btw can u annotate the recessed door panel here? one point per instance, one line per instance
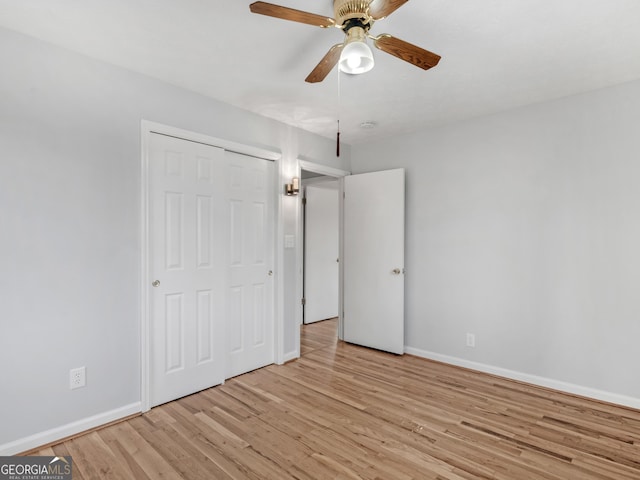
(173, 164)
(174, 339)
(174, 211)
(259, 315)
(236, 231)
(259, 228)
(204, 231)
(205, 169)
(204, 315)
(234, 327)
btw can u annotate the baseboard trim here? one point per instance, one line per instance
(55, 434)
(570, 388)
(290, 356)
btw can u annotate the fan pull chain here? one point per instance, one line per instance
(339, 105)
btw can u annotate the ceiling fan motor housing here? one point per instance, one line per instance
(350, 13)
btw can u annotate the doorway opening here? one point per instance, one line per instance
(324, 181)
(371, 272)
(320, 247)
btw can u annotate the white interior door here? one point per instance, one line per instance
(188, 268)
(250, 324)
(321, 251)
(373, 261)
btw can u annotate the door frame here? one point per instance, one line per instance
(148, 128)
(329, 172)
(304, 184)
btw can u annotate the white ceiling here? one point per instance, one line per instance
(496, 55)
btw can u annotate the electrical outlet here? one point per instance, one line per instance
(471, 340)
(77, 378)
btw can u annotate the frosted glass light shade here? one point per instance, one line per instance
(356, 57)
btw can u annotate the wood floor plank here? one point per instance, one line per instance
(93, 459)
(61, 450)
(347, 412)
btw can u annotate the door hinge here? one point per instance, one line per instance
(304, 200)
(303, 301)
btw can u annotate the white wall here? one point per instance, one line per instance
(70, 229)
(524, 229)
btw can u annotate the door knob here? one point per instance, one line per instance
(396, 271)
(156, 283)
(270, 273)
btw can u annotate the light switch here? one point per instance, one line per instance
(289, 241)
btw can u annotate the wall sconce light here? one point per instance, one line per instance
(292, 188)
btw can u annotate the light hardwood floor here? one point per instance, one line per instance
(318, 335)
(345, 412)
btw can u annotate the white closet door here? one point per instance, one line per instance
(250, 326)
(188, 267)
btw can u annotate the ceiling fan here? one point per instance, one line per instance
(355, 18)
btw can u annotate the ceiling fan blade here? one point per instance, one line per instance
(405, 51)
(286, 13)
(383, 8)
(326, 64)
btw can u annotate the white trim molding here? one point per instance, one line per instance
(290, 356)
(561, 386)
(278, 305)
(245, 149)
(322, 169)
(68, 430)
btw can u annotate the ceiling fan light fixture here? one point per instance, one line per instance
(356, 56)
